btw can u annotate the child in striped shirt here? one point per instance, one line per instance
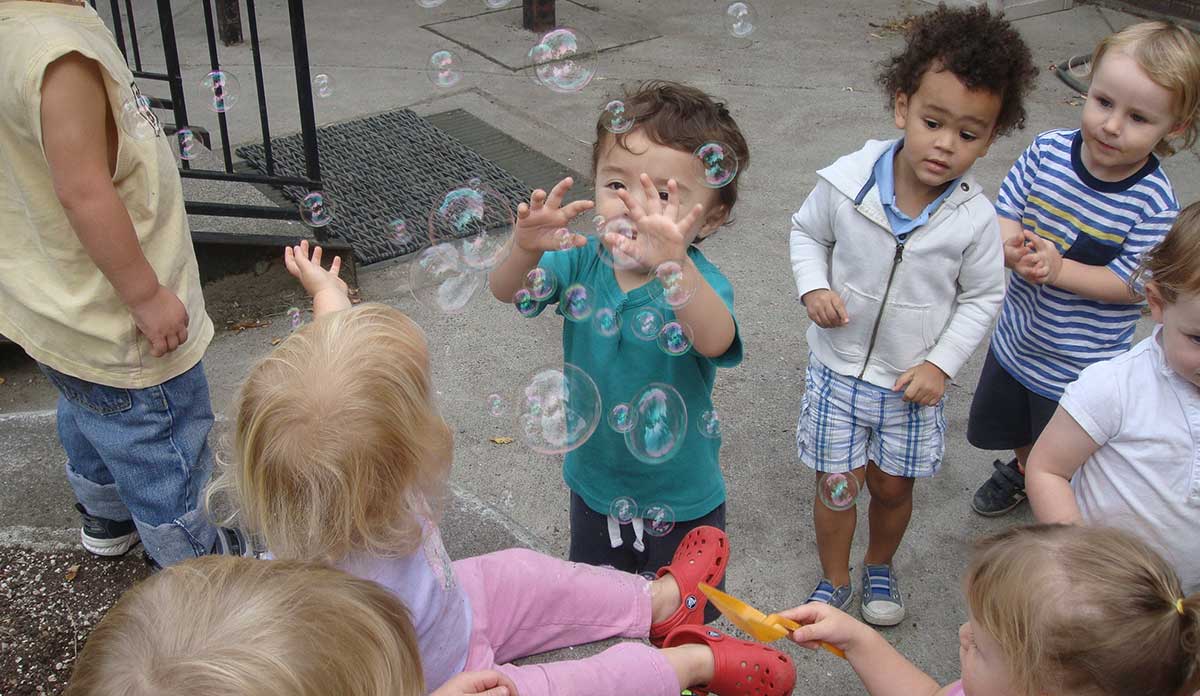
(1077, 210)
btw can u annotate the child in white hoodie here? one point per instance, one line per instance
(898, 261)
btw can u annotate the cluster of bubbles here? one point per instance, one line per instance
(223, 88)
(838, 491)
(445, 68)
(559, 409)
(564, 60)
(316, 209)
(294, 317)
(740, 18)
(322, 86)
(659, 518)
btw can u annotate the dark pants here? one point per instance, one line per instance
(1005, 414)
(590, 543)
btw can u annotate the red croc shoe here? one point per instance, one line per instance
(739, 666)
(701, 558)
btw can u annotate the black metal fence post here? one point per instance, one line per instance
(538, 15)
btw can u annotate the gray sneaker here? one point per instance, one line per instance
(838, 597)
(881, 603)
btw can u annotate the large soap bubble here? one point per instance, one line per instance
(477, 219)
(559, 409)
(564, 60)
(661, 423)
(442, 282)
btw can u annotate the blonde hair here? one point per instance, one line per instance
(1173, 265)
(228, 626)
(339, 447)
(1085, 610)
(1170, 55)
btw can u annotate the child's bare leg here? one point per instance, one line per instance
(890, 511)
(1022, 456)
(693, 664)
(664, 598)
(835, 533)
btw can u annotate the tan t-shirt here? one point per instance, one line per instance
(54, 301)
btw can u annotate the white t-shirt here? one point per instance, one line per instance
(1146, 475)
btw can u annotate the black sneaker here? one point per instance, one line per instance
(105, 537)
(232, 542)
(1002, 492)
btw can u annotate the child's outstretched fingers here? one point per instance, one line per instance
(821, 623)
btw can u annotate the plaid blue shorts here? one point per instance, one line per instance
(844, 422)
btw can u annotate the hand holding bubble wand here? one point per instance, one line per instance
(542, 223)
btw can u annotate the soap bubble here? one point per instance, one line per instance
(316, 210)
(138, 119)
(623, 509)
(564, 60)
(740, 18)
(225, 89)
(565, 239)
(621, 418)
(674, 339)
(838, 491)
(646, 324)
(607, 322)
(577, 302)
(1080, 66)
(445, 68)
(661, 423)
(477, 219)
(398, 232)
(189, 148)
(322, 86)
(614, 118)
(560, 409)
(294, 318)
(615, 258)
(709, 424)
(541, 283)
(525, 303)
(660, 519)
(496, 405)
(430, 3)
(677, 290)
(442, 282)
(717, 164)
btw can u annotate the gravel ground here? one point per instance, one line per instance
(49, 603)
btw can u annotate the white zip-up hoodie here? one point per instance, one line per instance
(946, 288)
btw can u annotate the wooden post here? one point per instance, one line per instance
(538, 15)
(229, 21)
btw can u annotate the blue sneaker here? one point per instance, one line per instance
(881, 603)
(838, 597)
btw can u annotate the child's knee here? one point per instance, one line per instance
(888, 490)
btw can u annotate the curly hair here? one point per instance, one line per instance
(982, 49)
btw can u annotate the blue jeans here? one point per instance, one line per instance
(141, 454)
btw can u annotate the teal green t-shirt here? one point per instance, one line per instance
(603, 469)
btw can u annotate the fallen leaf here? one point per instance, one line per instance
(276, 341)
(502, 440)
(72, 572)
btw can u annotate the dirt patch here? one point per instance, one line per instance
(49, 603)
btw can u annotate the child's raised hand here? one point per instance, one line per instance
(825, 308)
(309, 272)
(924, 384)
(821, 623)
(539, 221)
(486, 683)
(661, 233)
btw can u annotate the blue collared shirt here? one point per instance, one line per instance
(884, 178)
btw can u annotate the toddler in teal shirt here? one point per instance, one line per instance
(648, 183)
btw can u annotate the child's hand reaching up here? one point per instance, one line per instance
(661, 233)
(539, 221)
(329, 292)
(488, 683)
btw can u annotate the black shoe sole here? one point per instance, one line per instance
(1000, 512)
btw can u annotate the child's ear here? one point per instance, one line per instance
(1179, 129)
(714, 217)
(901, 109)
(1155, 299)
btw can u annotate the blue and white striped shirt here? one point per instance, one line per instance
(1046, 335)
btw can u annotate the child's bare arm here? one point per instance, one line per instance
(77, 128)
(1093, 282)
(328, 291)
(1061, 450)
(535, 233)
(712, 325)
(883, 670)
